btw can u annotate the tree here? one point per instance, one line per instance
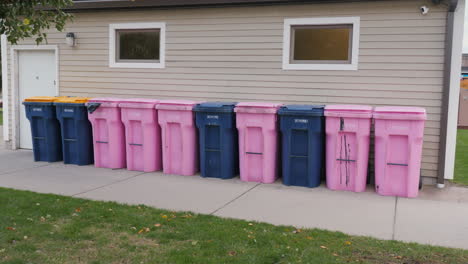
(21, 19)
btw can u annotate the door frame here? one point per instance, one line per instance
(15, 87)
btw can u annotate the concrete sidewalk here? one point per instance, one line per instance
(438, 217)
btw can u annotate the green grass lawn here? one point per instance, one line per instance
(461, 159)
(39, 228)
(1, 116)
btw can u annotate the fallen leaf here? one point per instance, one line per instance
(38, 204)
(309, 237)
(232, 253)
(43, 219)
(25, 237)
(11, 228)
(78, 210)
(133, 228)
(194, 243)
(164, 216)
(157, 225)
(250, 224)
(297, 231)
(348, 243)
(324, 247)
(336, 255)
(144, 230)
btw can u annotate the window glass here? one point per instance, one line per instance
(330, 44)
(138, 45)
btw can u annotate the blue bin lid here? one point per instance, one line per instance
(224, 107)
(303, 110)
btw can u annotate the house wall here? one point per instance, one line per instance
(235, 54)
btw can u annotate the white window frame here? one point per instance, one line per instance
(113, 63)
(289, 23)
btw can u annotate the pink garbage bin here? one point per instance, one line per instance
(142, 134)
(399, 135)
(179, 136)
(108, 133)
(347, 146)
(258, 141)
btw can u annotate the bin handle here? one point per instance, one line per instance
(104, 142)
(135, 144)
(398, 164)
(92, 107)
(255, 153)
(348, 160)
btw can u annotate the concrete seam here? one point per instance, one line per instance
(18, 170)
(109, 184)
(394, 218)
(239, 196)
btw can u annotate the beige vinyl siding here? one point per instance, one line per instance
(235, 54)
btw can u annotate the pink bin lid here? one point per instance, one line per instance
(400, 112)
(176, 105)
(139, 103)
(355, 111)
(107, 101)
(257, 107)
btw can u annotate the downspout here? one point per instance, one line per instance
(452, 6)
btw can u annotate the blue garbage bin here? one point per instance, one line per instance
(303, 135)
(77, 140)
(45, 128)
(218, 139)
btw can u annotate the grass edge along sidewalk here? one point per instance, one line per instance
(461, 158)
(43, 228)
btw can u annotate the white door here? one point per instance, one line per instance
(36, 77)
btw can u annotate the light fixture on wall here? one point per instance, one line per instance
(70, 39)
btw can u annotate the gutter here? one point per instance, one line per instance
(103, 5)
(452, 6)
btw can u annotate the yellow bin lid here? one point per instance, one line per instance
(73, 100)
(43, 99)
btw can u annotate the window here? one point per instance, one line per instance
(137, 45)
(321, 43)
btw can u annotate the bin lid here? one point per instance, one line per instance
(106, 101)
(303, 110)
(176, 105)
(226, 107)
(257, 107)
(44, 99)
(356, 111)
(139, 103)
(72, 100)
(400, 112)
